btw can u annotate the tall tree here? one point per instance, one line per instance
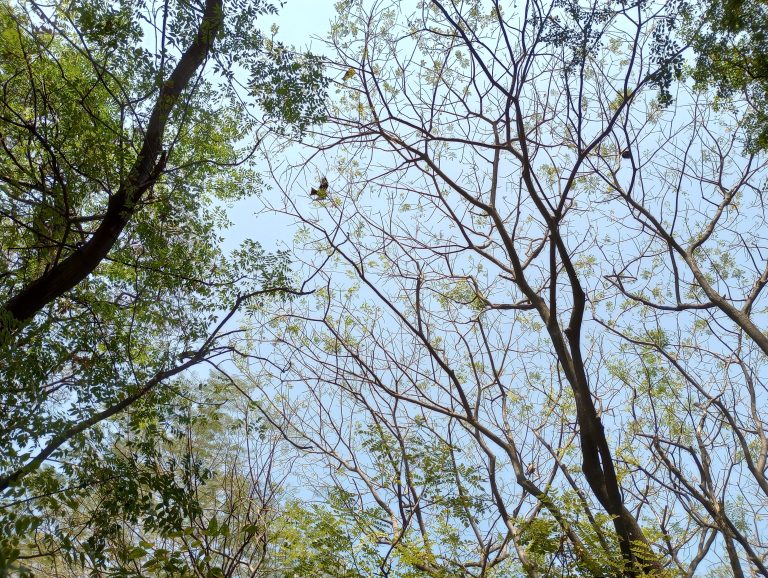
(558, 258)
(124, 132)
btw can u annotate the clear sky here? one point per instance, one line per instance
(299, 20)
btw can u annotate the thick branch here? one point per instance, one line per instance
(147, 168)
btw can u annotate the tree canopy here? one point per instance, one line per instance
(521, 332)
(124, 131)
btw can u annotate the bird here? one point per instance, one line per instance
(322, 191)
(626, 154)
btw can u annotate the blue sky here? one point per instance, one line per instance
(299, 20)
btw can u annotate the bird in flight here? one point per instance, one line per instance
(322, 191)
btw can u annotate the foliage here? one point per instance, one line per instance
(195, 489)
(731, 42)
(124, 137)
(533, 336)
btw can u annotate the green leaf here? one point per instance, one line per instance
(136, 553)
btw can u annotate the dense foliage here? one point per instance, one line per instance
(730, 44)
(124, 136)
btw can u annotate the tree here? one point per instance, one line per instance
(550, 359)
(730, 45)
(199, 488)
(122, 133)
